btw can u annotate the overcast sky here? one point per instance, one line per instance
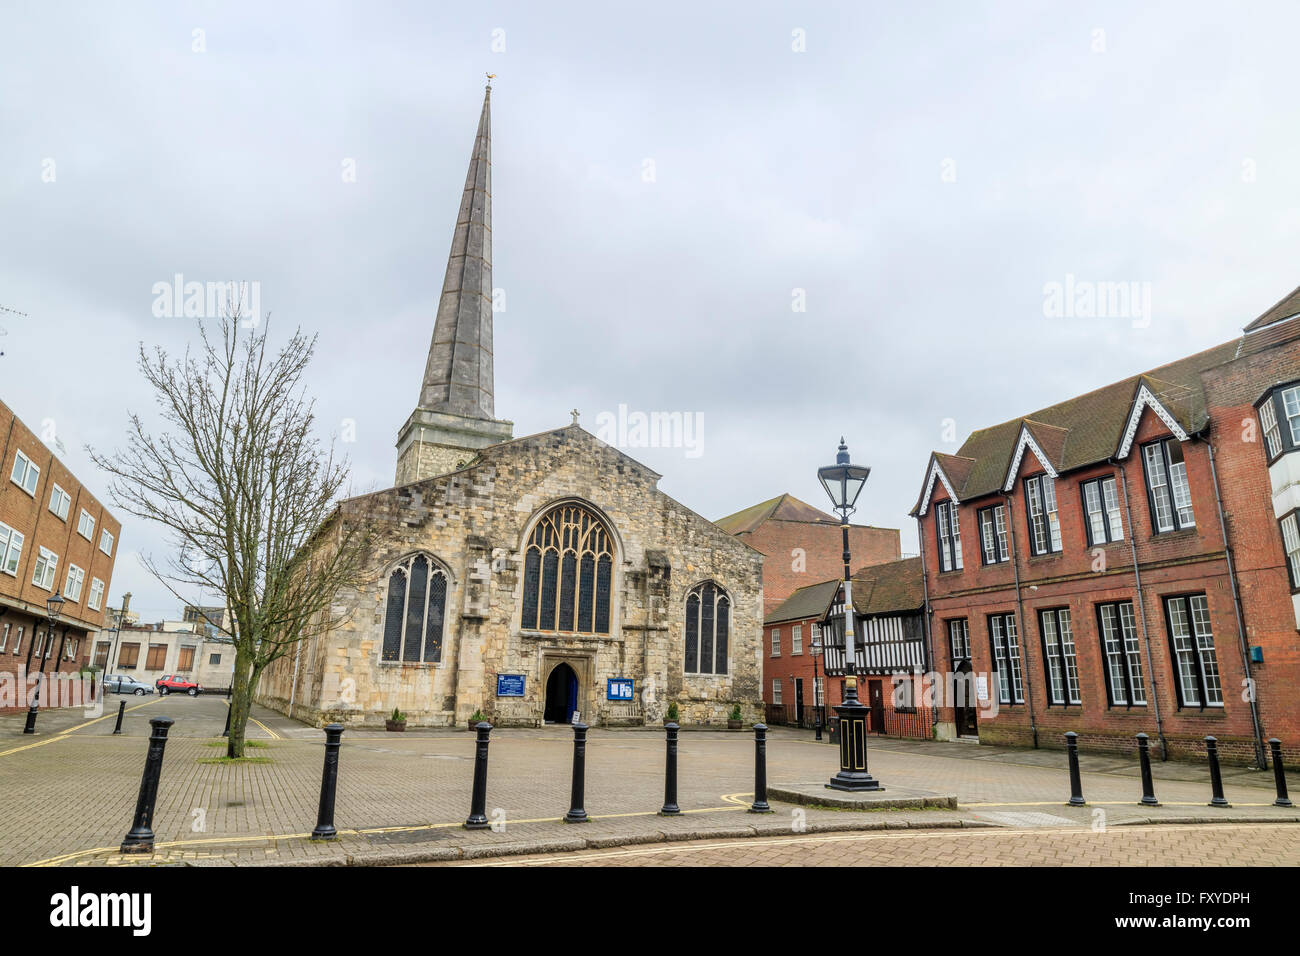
(921, 172)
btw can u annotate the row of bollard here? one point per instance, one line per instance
(1217, 799)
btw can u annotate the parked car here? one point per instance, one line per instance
(177, 684)
(122, 684)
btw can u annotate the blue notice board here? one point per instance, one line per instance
(620, 688)
(510, 685)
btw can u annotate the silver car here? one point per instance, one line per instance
(122, 684)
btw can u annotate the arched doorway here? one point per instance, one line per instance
(964, 701)
(561, 695)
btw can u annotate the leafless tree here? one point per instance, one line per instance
(247, 492)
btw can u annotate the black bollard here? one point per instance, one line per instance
(30, 726)
(1279, 774)
(1076, 784)
(760, 771)
(121, 709)
(140, 839)
(478, 802)
(226, 732)
(670, 808)
(576, 813)
(329, 780)
(1144, 757)
(1216, 779)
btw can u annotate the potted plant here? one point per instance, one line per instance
(672, 715)
(396, 722)
(734, 720)
(476, 718)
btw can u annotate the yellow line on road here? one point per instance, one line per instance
(64, 733)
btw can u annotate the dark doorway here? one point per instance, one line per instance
(798, 701)
(964, 701)
(877, 692)
(561, 695)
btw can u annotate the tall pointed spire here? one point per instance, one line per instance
(458, 375)
(455, 416)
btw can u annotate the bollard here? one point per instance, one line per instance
(329, 780)
(1144, 757)
(1279, 774)
(226, 732)
(478, 802)
(760, 771)
(670, 808)
(1216, 779)
(1076, 784)
(30, 726)
(576, 813)
(140, 839)
(121, 709)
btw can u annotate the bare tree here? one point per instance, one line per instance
(247, 492)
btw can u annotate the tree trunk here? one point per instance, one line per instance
(241, 699)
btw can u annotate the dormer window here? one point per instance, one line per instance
(1044, 522)
(949, 532)
(993, 534)
(1167, 488)
(1279, 417)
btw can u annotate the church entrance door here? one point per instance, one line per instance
(561, 695)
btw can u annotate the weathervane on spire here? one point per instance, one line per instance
(491, 77)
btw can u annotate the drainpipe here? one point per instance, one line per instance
(926, 613)
(1260, 760)
(1020, 608)
(293, 691)
(1142, 611)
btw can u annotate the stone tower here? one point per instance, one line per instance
(454, 418)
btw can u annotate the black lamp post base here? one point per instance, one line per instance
(854, 782)
(853, 776)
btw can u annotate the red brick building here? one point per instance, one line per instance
(1116, 563)
(55, 537)
(890, 641)
(803, 545)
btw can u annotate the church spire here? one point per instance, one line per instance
(455, 416)
(458, 374)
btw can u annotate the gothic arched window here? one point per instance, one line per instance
(708, 624)
(416, 609)
(568, 570)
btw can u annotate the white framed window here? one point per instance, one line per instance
(1101, 508)
(1188, 618)
(4, 636)
(1272, 432)
(1291, 408)
(26, 474)
(815, 635)
(819, 691)
(106, 543)
(95, 600)
(70, 648)
(11, 549)
(60, 501)
(776, 642)
(796, 639)
(1006, 655)
(1058, 651)
(1167, 487)
(776, 690)
(46, 564)
(73, 582)
(948, 528)
(18, 639)
(993, 534)
(1044, 522)
(86, 525)
(959, 640)
(1119, 643)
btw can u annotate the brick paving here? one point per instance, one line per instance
(1215, 845)
(402, 797)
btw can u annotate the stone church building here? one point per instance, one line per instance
(532, 579)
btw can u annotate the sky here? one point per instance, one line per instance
(789, 222)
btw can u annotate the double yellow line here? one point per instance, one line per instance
(64, 733)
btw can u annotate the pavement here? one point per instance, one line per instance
(71, 792)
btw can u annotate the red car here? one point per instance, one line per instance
(176, 684)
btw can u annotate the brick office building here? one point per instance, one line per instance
(1092, 564)
(890, 641)
(803, 545)
(55, 537)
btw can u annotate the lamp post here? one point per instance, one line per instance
(815, 646)
(52, 608)
(843, 483)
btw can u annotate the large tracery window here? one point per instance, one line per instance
(568, 566)
(708, 623)
(417, 607)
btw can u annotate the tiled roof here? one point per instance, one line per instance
(1083, 430)
(889, 588)
(781, 508)
(810, 601)
(1289, 306)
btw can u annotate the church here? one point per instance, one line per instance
(543, 579)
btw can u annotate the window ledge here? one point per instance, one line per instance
(564, 636)
(1174, 535)
(428, 665)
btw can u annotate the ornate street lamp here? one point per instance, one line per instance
(53, 607)
(843, 483)
(815, 645)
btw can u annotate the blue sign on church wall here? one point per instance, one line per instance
(620, 688)
(510, 685)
